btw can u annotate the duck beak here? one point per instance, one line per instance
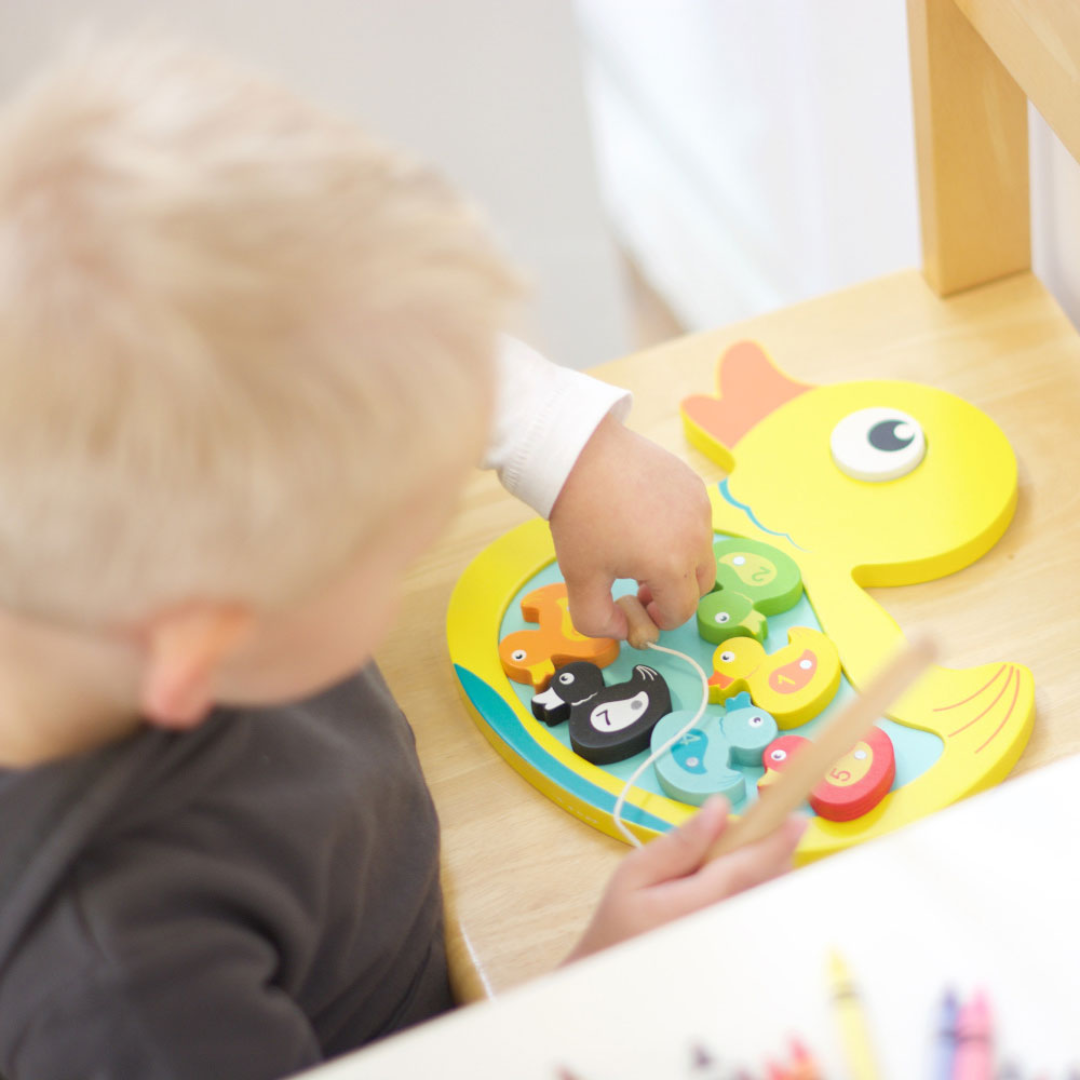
(721, 681)
(548, 699)
(540, 674)
(768, 779)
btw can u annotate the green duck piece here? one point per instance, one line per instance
(753, 579)
(724, 614)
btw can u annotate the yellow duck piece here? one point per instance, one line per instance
(793, 684)
(788, 487)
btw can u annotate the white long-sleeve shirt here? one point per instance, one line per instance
(544, 416)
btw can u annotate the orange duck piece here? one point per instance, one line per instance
(531, 656)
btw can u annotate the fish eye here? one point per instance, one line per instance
(566, 678)
(722, 617)
(779, 755)
(518, 655)
(756, 721)
(727, 656)
(877, 444)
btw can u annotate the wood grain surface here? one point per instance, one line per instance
(971, 140)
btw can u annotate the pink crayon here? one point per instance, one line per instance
(974, 1041)
(803, 1065)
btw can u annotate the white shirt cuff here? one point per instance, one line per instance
(544, 416)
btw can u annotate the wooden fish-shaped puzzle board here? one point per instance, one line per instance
(830, 490)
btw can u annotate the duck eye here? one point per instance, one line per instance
(722, 617)
(518, 655)
(779, 755)
(566, 678)
(757, 721)
(727, 656)
(877, 444)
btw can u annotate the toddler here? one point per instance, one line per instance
(248, 357)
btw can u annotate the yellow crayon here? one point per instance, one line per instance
(852, 1022)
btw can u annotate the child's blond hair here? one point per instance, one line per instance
(235, 334)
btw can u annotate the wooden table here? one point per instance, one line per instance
(523, 875)
(937, 884)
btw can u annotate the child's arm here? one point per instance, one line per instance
(629, 509)
(619, 505)
(667, 878)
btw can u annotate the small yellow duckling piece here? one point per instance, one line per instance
(793, 684)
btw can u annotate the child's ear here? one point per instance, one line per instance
(184, 649)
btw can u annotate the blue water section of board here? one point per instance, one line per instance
(915, 750)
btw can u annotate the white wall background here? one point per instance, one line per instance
(752, 152)
(758, 152)
(489, 90)
(1055, 215)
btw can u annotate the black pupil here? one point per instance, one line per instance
(882, 436)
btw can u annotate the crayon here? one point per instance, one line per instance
(854, 1033)
(974, 1041)
(803, 1065)
(945, 1038)
(700, 1057)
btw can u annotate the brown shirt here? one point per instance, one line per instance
(240, 901)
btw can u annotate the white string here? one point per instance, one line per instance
(616, 815)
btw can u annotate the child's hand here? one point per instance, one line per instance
(631, 510)
(667, 878)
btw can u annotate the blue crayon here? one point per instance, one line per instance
(945, 1037)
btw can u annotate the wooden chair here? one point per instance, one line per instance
(525, 875)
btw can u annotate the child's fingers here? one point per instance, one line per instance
(677, 853)
(674, 599)
(705, 578)
(592, 610)
(742, 869)
(706, 570)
